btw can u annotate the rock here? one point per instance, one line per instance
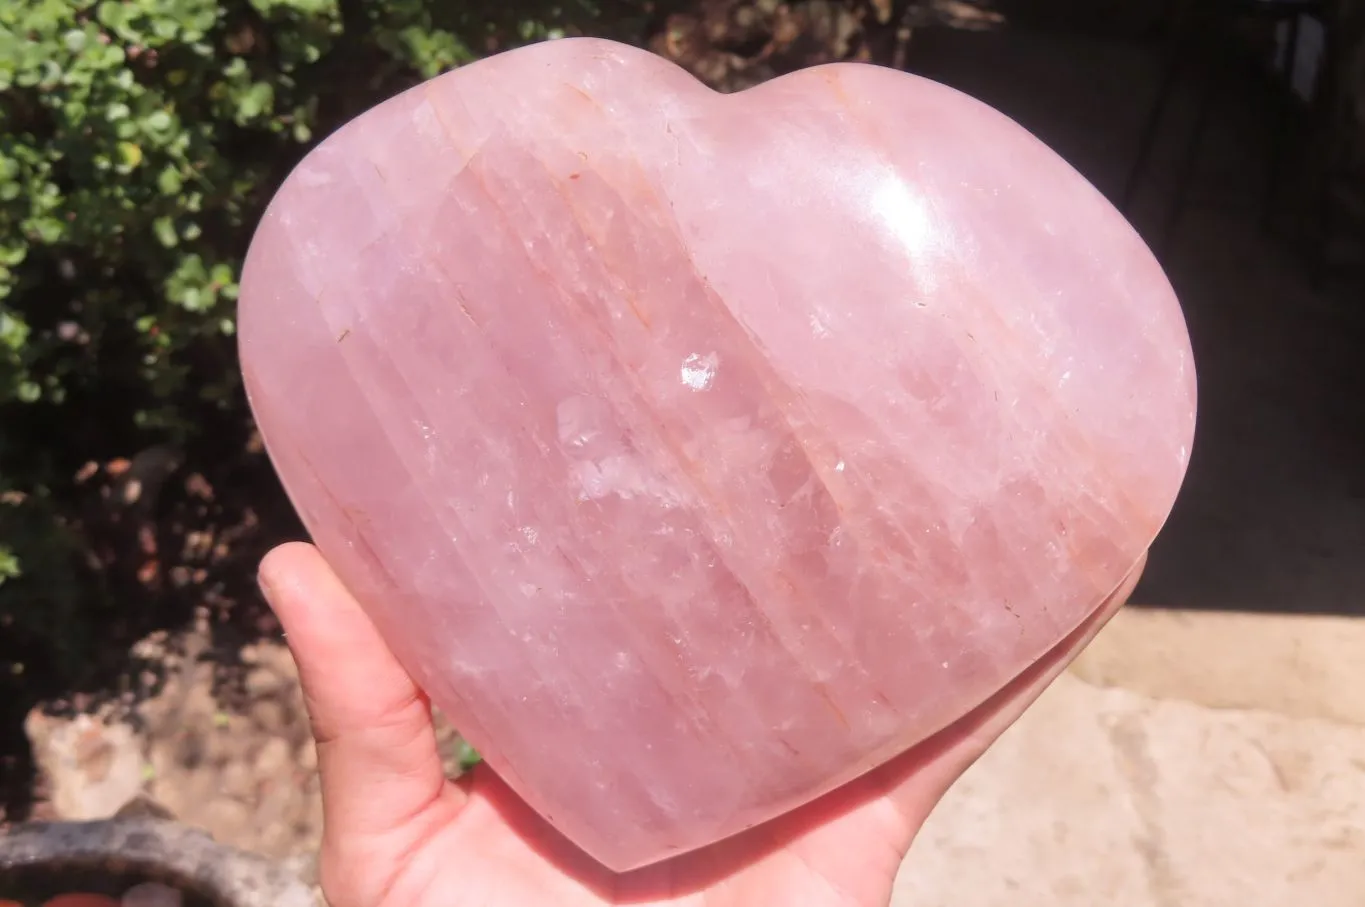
(152, 894)
(92, 766)
(247, 776)
(1304, 666)
(1105, 796)
(275, 759)
(168, 852)
(734, 443)
(143, 807)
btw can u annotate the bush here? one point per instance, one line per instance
(139, 139)
(139, 142)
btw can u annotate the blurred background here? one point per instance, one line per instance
(140, 139)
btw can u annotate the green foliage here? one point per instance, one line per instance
(139, 138)
(139, 142)
(135, 142)
(9, 565)
(39, 618)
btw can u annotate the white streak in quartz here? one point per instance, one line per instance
(312, 177)
(819, 324)
(626, 477)
(581, 420)
(699, 371)
(601, 461)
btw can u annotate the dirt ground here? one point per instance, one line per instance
(233, 758)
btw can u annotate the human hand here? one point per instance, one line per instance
(397, 833)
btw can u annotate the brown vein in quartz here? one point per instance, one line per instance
(766, 382)
(1072, 438)
(530, 666)
(684, 463)
(670, 443)
(767, 378)
(463, 305)
(633, 304)
(591, 101)
(784, 400)
(802, 441)
(361, 531)
(782, 404)
(440, 517)
(697, 714)
(395, 446)
(368, 552)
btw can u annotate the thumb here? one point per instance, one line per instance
(380, 769)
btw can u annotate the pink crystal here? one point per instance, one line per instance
(698, 453)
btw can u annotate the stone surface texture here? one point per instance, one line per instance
(1302, 666)
(1106, 796)
(92, 764)
(732, 444)
(45, 854)
(1047, 818)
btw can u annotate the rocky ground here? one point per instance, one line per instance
(238, 762)
(1239, 778)
(1187, 758)
(234, 759)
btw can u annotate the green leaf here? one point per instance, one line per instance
(130, 155)
(74, 40)
(111, 14)
(9, 565)
(13, 331)
(256, 100)
(221, 274)
(194, 298)
(166, 233)
(157, 121)
(49, 229)
(169, 181)
(138, 141)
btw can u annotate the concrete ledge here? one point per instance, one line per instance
(1108, 797)
(1296, 665)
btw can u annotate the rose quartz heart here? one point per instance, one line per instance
(698, 453)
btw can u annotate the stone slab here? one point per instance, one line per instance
(1305, 666)
(1106, 796)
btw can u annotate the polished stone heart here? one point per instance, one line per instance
(698, 453)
